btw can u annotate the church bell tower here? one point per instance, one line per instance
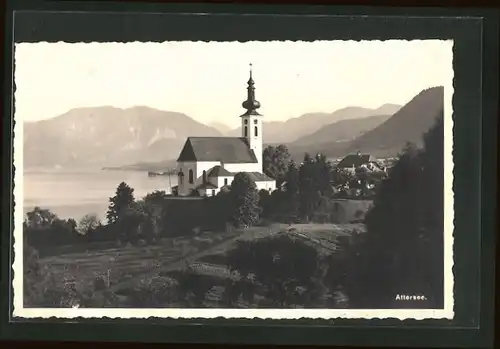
(251, 123)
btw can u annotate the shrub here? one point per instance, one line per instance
(153, 291)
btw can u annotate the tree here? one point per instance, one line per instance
(245, 201)
(40, 218)
(275, 162)
(292, 192)
(340, 178)
(120, 203)
(42, 228)
(192, 288)
(322, 178)
(284, 269)
(402, 251)
(151, 211)
(266, 203)
(309, 195)
(87, 224)
(219, 211)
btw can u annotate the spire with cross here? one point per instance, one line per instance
(251, 104)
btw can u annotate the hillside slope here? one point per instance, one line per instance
(387, 139)
(407, 125)
(343, 130)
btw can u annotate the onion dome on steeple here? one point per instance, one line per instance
(251, 104)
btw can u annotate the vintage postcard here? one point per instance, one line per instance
(261, 179)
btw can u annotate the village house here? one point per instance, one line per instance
(208, 164)
(354, 161)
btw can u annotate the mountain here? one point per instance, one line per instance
(219, 126)
(387, 139)
(274, 131)
(108, 136)
(388, 109)
(341, 131)
(407, 125)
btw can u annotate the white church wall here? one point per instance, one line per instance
(221, 181)
(185, 186)
(266, 185)
(204, 166)
(244, 167)
(197, 168)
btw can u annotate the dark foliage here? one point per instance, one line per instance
(121, 203)
(43, 229)
(244, 200)
(192, 288)
(44, 287)
(402, 253)
(285, 270)
(275, 162)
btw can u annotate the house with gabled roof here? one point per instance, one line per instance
(354, 161)
(207, 164)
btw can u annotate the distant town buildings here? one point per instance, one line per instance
(356, 161)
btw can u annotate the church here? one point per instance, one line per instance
(208, 164)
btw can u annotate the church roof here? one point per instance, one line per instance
(207, 185)
(219, 171)
(259, 177)
(355, 160)
(226, 149)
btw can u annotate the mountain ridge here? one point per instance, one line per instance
(388, 139)
(108, 136)
(309, 123)
(141, 136)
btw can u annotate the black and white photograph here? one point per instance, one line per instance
(259, 179)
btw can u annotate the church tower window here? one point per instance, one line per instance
(181, 177)
(256, 133)
(246, 131)
(204, 176)
(191, 177)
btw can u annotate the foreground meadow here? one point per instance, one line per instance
(125, 268)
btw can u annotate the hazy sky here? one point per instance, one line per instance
(207, 81)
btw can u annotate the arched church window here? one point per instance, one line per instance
(181, 177)
(256, 131)
(225, 181)
(246, 121)
(246, 131)
(255, 121)
(204, 176)
(191, 177)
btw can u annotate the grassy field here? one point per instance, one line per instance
(128, 262)
(126, 266)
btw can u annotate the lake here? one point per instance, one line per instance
(73, 194)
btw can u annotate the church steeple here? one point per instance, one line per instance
(251, 123)
(251, 104)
